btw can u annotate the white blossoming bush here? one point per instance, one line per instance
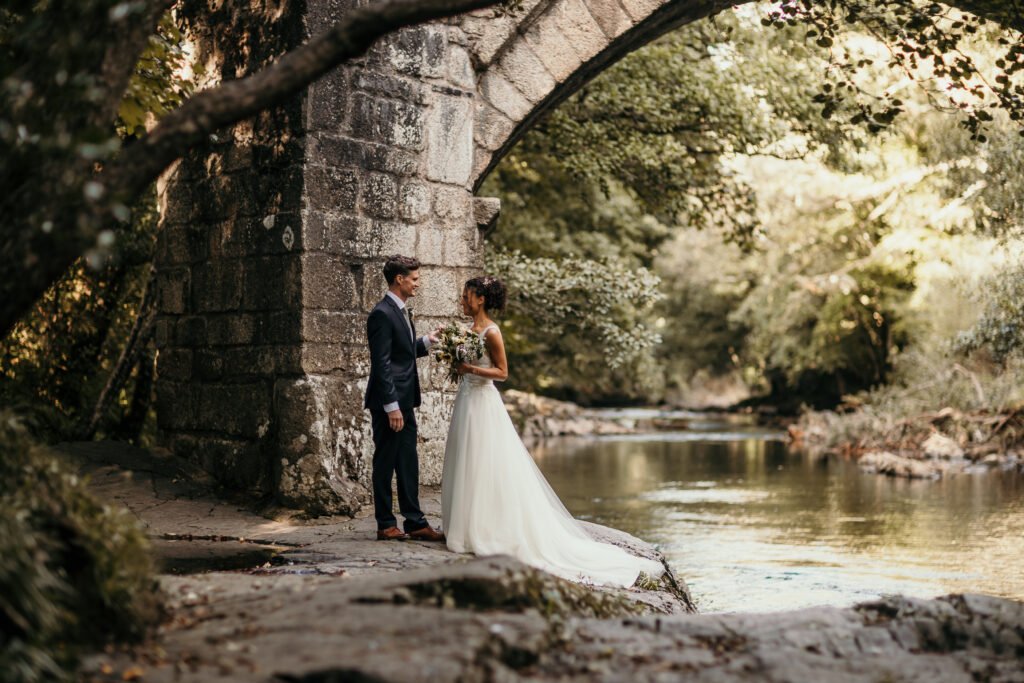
(577, 325)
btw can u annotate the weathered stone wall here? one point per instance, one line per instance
(228, 280)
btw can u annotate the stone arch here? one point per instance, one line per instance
(531, 63)
(273, 234)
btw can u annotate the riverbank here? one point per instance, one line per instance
(324, 602)
(926, 446)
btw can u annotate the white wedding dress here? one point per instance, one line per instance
(495, 501)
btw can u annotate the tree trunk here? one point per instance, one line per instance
(137, 340)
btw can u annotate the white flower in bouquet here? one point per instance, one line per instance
(455, 345)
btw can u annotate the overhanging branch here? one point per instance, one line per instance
(234, 101)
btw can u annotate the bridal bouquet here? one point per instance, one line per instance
(456, 345)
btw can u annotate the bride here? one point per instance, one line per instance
(494, 498)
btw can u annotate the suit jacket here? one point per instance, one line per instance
(393, 355)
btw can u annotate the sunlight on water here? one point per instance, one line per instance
(752, 526)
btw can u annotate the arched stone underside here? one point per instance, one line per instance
(273, 236)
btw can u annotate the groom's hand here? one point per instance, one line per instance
(434, 336)
(395, 420)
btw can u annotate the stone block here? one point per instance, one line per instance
(219, 198)
(380, 83)
(481, 163)
(174, 406)
(332, 233)
(386, 121)
(217, 286)
(580, 29)
(208, 365)
(463, 246)
(430, 244)
(639, 10)
(190, 331)
(449, 155)
(485, 212)
(238, 464)
(230, 329)
(238, 157)
(181, 244)
(252, 362)
(272, 282)
(281, 327)
(228, 239)
(439, 293)
(177, 205)
(459, 69)
(274, 233)
(331, 189)
(304, 406)
(172, 289)
(393, 238)
(333, 327)
(553, 48)
(503, 96)
(320, 358)
(418, 51)
(328, 283)
(451, 204)
(492, 128)
(362, 154)
(526, 72)
(163, 331)
(414, 202)
(174, 364)
(278, 191)
(235, 409)
(488, 35)
(327, 102)
(380, 195)
(610, 16)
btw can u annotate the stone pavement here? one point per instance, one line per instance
(322, 602)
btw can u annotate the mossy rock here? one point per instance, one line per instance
(75, 574)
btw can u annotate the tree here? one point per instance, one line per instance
(68, 180)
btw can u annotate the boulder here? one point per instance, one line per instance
(937, 445)
(884, 462)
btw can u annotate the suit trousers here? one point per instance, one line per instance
(395, 454)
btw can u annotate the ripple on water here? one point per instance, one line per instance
(752, 526)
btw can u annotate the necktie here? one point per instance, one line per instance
(408, 319)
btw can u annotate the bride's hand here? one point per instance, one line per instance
(464, 369)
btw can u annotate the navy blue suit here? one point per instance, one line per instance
(393, 379)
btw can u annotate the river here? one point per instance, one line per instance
(753, 525)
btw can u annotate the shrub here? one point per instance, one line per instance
(74, 573)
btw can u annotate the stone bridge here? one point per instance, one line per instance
(274, 234)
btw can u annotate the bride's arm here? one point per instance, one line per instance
(496, 349)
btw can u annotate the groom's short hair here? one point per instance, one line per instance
(399, 265)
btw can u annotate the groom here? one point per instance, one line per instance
(391, 394)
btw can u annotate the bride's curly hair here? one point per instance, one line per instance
(491, 289)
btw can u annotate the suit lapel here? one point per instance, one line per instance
(398, 316)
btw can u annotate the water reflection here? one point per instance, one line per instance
(753, 526)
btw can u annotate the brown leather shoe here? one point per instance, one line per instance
(391, 534)
(426, 534)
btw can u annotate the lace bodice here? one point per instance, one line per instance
(483, 362)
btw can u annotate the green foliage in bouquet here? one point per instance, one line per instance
(74, 573)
